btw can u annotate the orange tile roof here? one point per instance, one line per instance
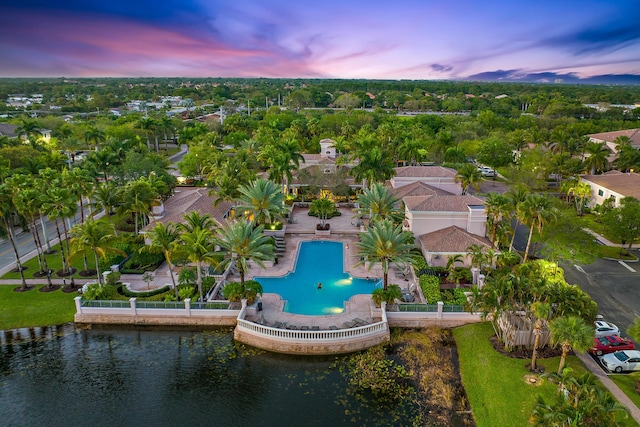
(440, 203)
(418, 188)
(188, 199)
(425, 172)
(451, 239)
(627, 184)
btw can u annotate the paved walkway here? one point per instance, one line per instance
(634, 411)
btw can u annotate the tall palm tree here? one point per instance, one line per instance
(244, 243)
(535, 211)
(198, 246)
(385, 243)
(29, 129)
(80, 182)
(94, 134)
(137, 199)
(59, 204)
(163, 239)
(581, 191)
(468, 175)
(498, 208)
(380, 203)
(541, 311)
(95, 237)
(195, 220)
(149, 126)
(597, 160)
(107, 197)
(375, 164)
(261, 200)
(7, 212)
(516, 196)
(570, 332)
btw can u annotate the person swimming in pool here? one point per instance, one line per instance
(319, 285)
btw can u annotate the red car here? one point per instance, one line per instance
(609, 344)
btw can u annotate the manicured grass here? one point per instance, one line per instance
(34, 308)
(614, 252)
(54, 261)
(627, 384)
(495, 385)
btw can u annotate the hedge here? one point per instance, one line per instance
(126, 292)
(430, 286)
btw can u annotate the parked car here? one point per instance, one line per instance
(609, 344)
(487, 171)
(604, 328)
(623, 360)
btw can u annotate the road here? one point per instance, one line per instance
(613, 286)
(24, 242)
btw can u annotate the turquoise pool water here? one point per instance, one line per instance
(318, 262)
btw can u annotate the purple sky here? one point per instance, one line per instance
(403, 39)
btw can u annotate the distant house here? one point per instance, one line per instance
(613, 185)
(436, 176)
(8, 130)
(187, 199)
(609, 137)
(443, 221)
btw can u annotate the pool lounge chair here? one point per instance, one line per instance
(292, 327)
(349, 324)
(333, 328)
(304, 328)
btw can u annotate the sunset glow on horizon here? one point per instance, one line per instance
(411, 39)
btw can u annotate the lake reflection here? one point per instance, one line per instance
(66, 377)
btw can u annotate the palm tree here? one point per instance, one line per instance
(570, 332)
(498, 208)
(261, 200)
(516, 196)
(323, 207)
(94, 134)
(82, 185)
(375, 164)
(244, 243)
(581, 191)
(137, 199)
(29, 129)
(380, 203)
(194, 220)
(95, 237)
(597, 160)
(108, 197)
(468, 175)
(535, 211)
(541, 310)
(197, 245)
(163, 239)
(59, 203)
(7, 212)
(385, 243)
(149, 126)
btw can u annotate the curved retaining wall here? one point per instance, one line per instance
(311, 342)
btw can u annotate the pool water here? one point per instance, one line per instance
(318, 262)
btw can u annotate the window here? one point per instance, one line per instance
(600, 193)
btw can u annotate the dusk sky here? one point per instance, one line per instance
(372, 39)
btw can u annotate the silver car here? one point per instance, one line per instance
(604, 328)
(623, 360)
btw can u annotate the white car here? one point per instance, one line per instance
(623, 360)
(604, 328)
(487, 171)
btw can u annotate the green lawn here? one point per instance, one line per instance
(614, 252)
(495, 385)
(626, 384)
(54, 261)
(34, 308)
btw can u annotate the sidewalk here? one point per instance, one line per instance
(606, 242)
(634, 411)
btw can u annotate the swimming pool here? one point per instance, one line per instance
(318, 262)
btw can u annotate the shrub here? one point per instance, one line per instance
(392, 293)
(234, 292)
(187, 276)
(113, 278)
(126, 292)
(430, 286)
(144, 261)
(97, 292)
(454, 296)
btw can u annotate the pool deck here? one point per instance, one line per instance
(303, 229)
